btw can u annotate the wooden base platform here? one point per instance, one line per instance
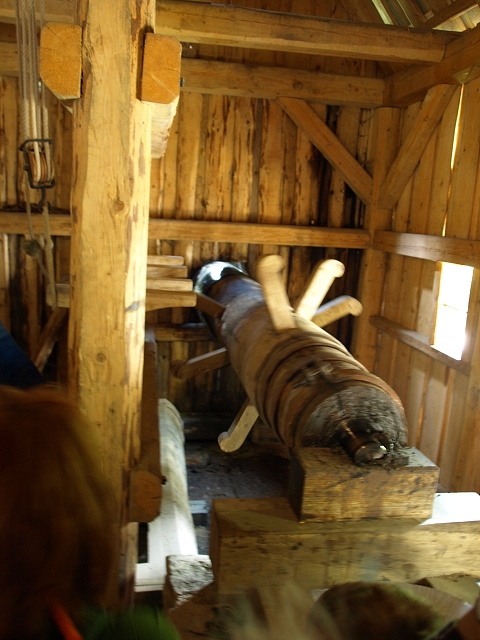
(259, 542)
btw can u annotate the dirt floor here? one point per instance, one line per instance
(251, 472)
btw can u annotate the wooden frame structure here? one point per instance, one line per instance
(412, 208)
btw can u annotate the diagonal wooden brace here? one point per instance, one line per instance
(206, 362)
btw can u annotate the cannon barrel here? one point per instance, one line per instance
(303, 382)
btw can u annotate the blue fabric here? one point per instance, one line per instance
(16, 368)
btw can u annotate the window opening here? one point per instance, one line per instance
(452, 308)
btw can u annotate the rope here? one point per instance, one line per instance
(39, 170)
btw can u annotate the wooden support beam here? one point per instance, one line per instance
(438, 248)
(245, 80)
(209, 231)
(160, 85)
(153, 299)
(146, 479)
(188, 332)
(412, 149)
(256, 29)
(173, 531)
(252, 233)
(259, 542)
(251, 81)
(324, 485)
(169, 299)
(454, 10)
(418, 342)
(200, 364)
(169, 284)
(410, 85)
(60, 55)
(209, 305)
(372, 273)
(321, 136)
(49, 336)
(165, 261)
(109, 249)
(55, 11)
(16, 222)
(173, 271)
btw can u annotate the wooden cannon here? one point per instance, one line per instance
(302, 382)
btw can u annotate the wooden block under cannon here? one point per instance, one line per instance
(324, 485)
(259, 542)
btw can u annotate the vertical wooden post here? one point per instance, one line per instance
(374, 262)
(111, 175)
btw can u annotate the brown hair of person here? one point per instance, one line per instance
(55, 531)
(374, 611)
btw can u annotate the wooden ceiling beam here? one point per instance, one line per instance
(234, 79)
(411, 85)
(244, 80)
(255, 29)
(209, 231)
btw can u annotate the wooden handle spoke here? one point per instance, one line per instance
(269, 269)
(233, 439)
(336, 309)
(320, 282)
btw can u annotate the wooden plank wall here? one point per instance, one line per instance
(438, 200)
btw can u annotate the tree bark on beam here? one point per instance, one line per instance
(111, 176)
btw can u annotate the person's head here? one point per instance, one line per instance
(55, 525)
(373, 611)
